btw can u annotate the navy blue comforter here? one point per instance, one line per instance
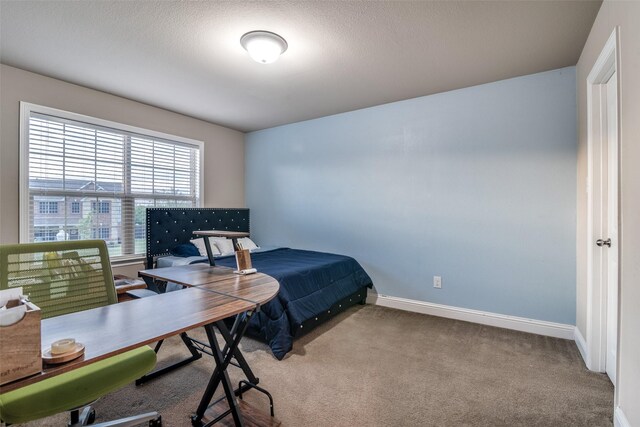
(310, 283)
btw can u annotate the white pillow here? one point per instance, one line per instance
(199, 243)
(225, 246)
(247, 243)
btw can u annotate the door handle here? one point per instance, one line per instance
(601, 242)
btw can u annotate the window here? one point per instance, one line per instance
(101, 207)
(73, 234)
(102, 233)
(45, 234)
(97, 178)
(48, 207)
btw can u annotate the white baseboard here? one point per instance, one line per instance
(540, 327)
(619, 420)
(582, 346)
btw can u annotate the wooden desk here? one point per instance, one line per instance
(125, 284)
(233, 235)
(188, 275)
(222, 280)
(254, 289)
(146, 321)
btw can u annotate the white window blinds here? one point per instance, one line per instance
(91, 181)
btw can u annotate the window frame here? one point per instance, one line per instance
(49, 204)
(27, 108)
(100, 207)
(72, 205)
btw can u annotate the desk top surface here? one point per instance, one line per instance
(189, 275)
(257, 288)
(117, 328)
(220, 233)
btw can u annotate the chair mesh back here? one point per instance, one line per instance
(59, 277)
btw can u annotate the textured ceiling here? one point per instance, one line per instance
(186, 56)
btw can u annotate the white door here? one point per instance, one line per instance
(610, 223)
(605, 217)
(603, 250)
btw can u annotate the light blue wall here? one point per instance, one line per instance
(477, 185)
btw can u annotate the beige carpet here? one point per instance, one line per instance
(374, 366)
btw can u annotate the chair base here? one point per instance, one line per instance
(88, 416)
(84, 418)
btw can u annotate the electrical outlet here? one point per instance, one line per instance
(437, 282)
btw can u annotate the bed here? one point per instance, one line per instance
(314, 286)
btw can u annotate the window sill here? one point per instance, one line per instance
(120, 261)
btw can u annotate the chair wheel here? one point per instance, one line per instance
(156, 423)
(92, 417)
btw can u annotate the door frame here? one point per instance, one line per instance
(596, 333)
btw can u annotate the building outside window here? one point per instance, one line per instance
(88, 178)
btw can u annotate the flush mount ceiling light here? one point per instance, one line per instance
(263, 46)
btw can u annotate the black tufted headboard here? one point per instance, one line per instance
(168, 227)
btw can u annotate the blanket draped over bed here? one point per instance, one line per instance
(310, 283)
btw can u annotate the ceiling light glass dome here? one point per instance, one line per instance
(264, 47)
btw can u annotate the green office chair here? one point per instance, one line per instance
(62, 278)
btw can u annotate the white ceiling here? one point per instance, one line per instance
(186, 56)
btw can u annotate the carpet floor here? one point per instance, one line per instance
(374, 366)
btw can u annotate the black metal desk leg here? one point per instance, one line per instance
(207, 246)
(237, 354)
(222, 359)
(228, 391)
(152, 285)
(195, 355)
